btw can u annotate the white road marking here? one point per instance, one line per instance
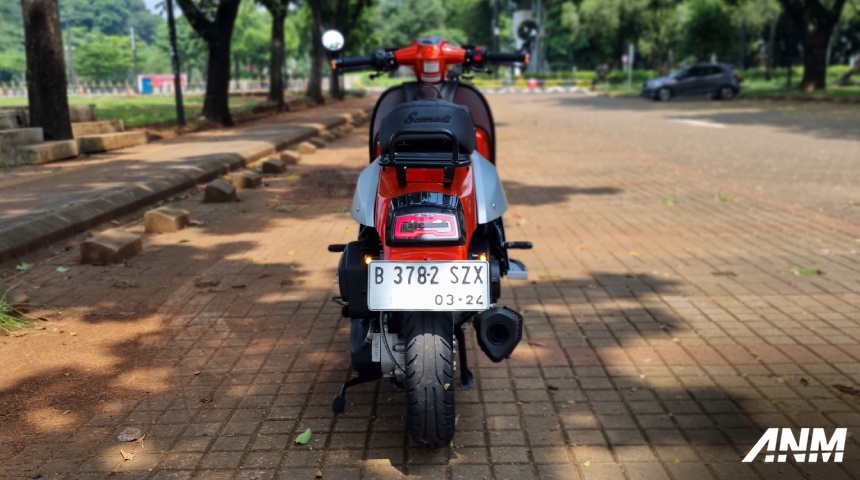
(699, 123)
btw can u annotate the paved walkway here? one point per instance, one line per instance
(667, 325)
(72, 195)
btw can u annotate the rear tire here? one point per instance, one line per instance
(430, 377)
(664, 94)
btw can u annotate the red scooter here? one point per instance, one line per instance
(431, 248)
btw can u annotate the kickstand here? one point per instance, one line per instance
(338, 403)
(467, 380)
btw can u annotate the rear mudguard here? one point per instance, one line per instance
(490, 201)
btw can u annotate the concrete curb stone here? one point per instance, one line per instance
(110, 246)
(40, 231)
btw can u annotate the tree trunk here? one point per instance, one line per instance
(216, 105)
(815, 58)
(276, 60)
(46, 77)
(217, 33)
(768, 72)
(317, 53)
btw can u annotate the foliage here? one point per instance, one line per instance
(13, 64)
(401, 21)
(708, 31)
(103, 57)
(251, 36)
(111, 17)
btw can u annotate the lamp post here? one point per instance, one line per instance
(134, 58)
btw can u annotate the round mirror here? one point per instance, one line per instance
(332, 40)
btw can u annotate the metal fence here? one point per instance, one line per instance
(258, 86)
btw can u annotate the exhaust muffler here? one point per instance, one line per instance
(499, 330)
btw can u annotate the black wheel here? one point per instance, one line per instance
(430, 377)
(663, 94)
(725, 93)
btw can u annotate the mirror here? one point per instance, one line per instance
(332, 40)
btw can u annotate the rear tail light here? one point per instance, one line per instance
(419, 218)
(426, 227)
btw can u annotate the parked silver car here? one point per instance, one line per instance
(717, 80)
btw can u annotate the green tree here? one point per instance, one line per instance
(191, 49)
(251, 39)
(214, 23)
(103, 57)
(112, 17)
(708, 31)
(401, 21)
(653, 25)
(13, 63)
(816, 19)
(278, 9)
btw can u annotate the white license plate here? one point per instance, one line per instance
(428, 286)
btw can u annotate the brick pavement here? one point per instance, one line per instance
(667, 334)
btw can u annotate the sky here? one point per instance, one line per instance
(150, 4)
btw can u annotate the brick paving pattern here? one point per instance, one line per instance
(664, 332)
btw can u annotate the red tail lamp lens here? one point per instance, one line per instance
(426, 226)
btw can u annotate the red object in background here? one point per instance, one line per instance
(532, 84)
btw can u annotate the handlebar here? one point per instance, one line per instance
(498, 57)
(476, 57)
(352, 62)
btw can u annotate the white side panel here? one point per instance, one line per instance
(364, 199)
(489, 196)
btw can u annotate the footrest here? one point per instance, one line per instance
(517, 270)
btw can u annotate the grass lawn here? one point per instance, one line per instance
(145, 109)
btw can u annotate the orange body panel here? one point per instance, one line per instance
(463, 187)
(430, 62)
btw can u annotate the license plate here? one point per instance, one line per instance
(428, 286)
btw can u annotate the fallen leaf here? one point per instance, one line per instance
(725, 273)
(780, 380)
(206, 400)
(804, 382)
(797, 270)
(126, 455)
(447, 385)
(66, 412)
(520, 403)
(318, 474)
(676, 339)
(346, 230)
(587, 463)
(304, 437)
(62, 269)
(633, 253)
(129, 434)
(23, 266)
(676, 460)
(537, 343)
(184, 241)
